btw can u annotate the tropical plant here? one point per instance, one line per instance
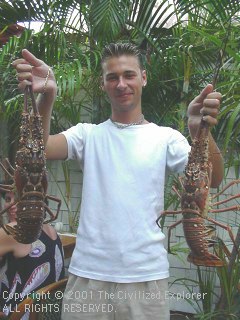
(180, 58)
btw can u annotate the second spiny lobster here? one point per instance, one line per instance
(30, 178)
(196, 203)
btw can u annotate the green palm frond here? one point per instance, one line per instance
(44, 10)
(108, 18)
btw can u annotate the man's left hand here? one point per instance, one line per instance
(205, 106)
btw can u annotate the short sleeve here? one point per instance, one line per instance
(177, 153)
(76, 137)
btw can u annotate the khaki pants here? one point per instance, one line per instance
(86, 299)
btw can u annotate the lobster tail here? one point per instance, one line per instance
(209, 260)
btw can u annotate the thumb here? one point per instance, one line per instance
(208, 89)
(28, 56)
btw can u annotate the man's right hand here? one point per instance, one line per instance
(34, 72)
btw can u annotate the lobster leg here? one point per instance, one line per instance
(226, 200)
(58, 207)
(176, 191)
(52, 215)
(9, 165)
(6, 171)
(224, 226)
(223, 246)
(166, 212)
(10, 230)
(6, 209)
(232, 183)
(54, 199)
(6, 188)
(232, 208)
(169, 232)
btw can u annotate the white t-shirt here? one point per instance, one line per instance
(124, 170)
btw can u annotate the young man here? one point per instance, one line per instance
(119, 269)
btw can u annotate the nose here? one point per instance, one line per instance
(121, 83)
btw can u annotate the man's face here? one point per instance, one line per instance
(123, 81)
(9, 199)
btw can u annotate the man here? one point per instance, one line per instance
(119, 260)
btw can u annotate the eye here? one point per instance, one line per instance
(129, 76)
(111, 78)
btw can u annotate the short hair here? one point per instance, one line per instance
(120, 49)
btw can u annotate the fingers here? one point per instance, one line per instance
(34, 72)
(28, 60)
(214, 95)
(210, 107)
(210, 110)
(205, 106)
(28, 56)
(27, 63)
(206, 99)
(24, 76)
(210, 120)
(18, 61)
(22, 85)
(207, 90)
(207, 93)
(22, 67)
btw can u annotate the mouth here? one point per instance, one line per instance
(124, 95)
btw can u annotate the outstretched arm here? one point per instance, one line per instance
(206, 106)
(36, 73)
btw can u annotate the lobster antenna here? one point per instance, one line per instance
(218, 65)
(34, 105)
(220, 56)
(28, 91)
(26, 99)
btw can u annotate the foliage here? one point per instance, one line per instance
(201, 291)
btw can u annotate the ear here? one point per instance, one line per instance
(102, 84)
(144, 78)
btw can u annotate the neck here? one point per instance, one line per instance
(121, 125)
(126, 118)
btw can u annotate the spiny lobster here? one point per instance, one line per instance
(196, 202)
(30, 178)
